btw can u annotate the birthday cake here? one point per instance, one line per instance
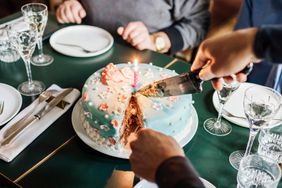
(112, 109)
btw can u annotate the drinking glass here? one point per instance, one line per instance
(23, 38)
(37, 14)
(260, 105)
(258, 171)
(270, 143)
(7, 53)
(217, 126)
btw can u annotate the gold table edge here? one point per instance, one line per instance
(43, 160)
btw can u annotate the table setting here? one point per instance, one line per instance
(42, 136)
(12, 146)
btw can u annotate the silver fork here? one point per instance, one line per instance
(84, 49)
(1, 107)
(225, 112)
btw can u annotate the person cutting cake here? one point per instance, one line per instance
(161, 159)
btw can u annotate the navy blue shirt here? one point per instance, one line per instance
(261, 13)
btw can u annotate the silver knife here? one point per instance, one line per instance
(47, 108)
(186, 83)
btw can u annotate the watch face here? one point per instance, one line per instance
(160, 43)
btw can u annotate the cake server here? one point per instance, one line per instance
(186, 83)
(47, 108)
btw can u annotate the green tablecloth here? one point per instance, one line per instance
(58, 158)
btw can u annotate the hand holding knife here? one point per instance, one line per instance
(47, 108)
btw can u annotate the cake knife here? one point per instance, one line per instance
(47, 108)
(186, 83)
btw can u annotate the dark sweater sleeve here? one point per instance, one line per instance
(268, 42)
(177, 172)
(191, 21)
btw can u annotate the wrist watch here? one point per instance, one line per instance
(159, 43)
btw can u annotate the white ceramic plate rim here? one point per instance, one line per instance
(145, 184)
(18, 99)
(57, 47)
(240, 122)
(80, 131)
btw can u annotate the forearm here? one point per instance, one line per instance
(177, 172)
(192, 23)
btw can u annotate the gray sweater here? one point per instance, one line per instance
(185, 21)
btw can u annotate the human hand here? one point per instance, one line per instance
(226, 55)
(70, 12)
(149, 150)
(137, 34)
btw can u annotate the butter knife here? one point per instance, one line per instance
(47, 108)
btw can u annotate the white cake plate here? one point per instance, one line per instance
(122, 153)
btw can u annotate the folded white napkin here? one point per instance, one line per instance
(18, 144)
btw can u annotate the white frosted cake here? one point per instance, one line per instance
(112, 109)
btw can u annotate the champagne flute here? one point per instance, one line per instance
(260, 105)
(23, 38)
(217, 126)
(37, 14)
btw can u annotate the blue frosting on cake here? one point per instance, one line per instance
(104, 102)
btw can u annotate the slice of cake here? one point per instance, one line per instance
(112, 110)
(133, 119)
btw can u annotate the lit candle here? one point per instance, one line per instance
(135, 70)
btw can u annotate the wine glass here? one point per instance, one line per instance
(37, 14)
(258, 171)
(260, 105)
(217, 126)
(23, 38)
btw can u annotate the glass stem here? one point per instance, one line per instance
(28, 71)
(40, 47)
(252, 137)
(218, 120)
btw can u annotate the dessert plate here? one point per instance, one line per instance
(122, 153)
(81, 41)
(235, 106)
(146, 184)
(12, 101)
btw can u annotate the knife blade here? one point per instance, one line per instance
(47, 108)
(186, 83)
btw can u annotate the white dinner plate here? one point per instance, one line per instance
(124, 154)
(12, 100)
(235, 106)
(147, 184)
(90, 37)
